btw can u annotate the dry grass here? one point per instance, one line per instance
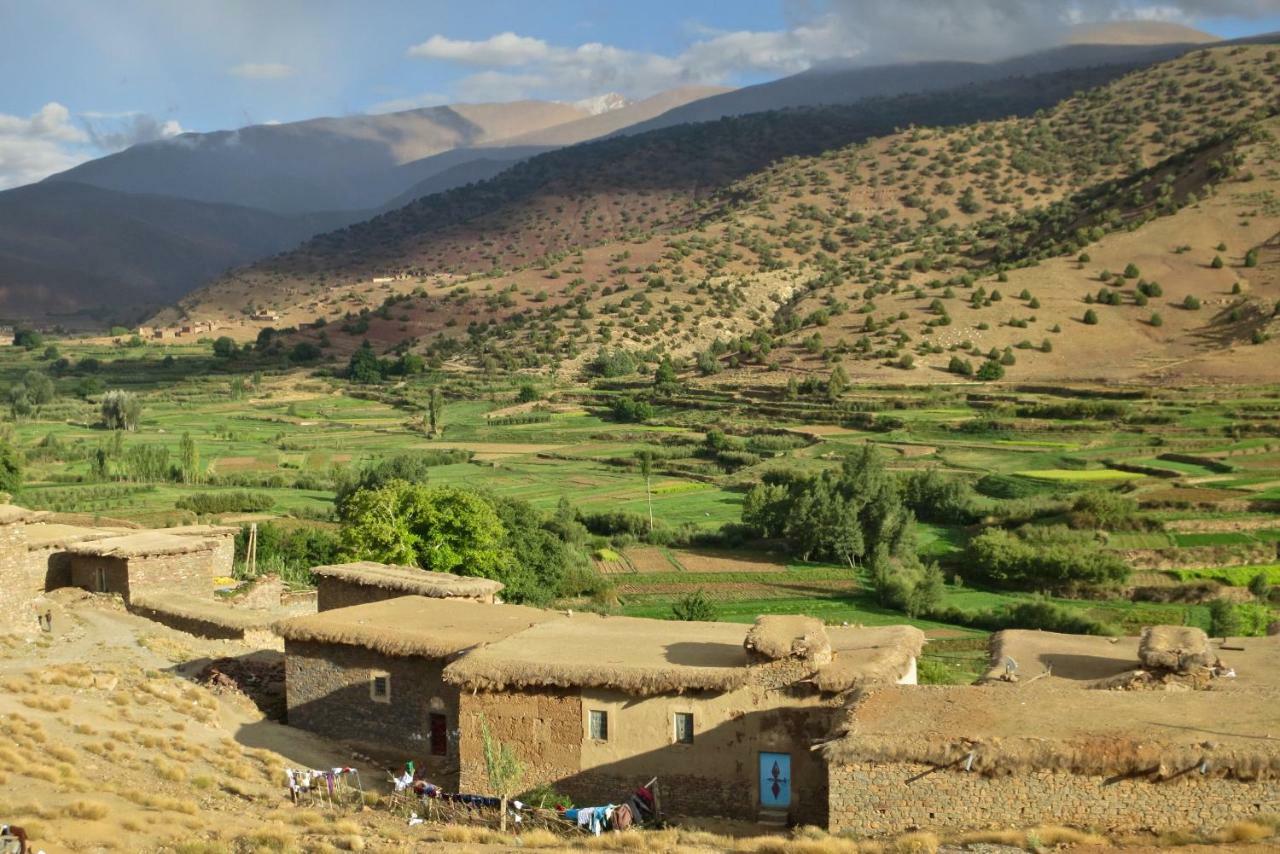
(47, 704)
(1244, 831)
(915, 843)
(85, 810)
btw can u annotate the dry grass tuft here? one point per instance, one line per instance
(1053, 835)
(1244, 831)
(86, 810)
(170, 771)
(915, 843)
(540, 839)
(630, 840)
(270, 837)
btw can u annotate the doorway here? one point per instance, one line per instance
(775, 780)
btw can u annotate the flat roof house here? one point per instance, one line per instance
(147, 561)
(725, 714)
(1093, 733)
(347, 584)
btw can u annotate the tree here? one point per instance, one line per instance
(189, 459)
(1217, 263)
(1091, 318)
(1191, 303)
(503, 768)
(528, 393)
(1251, 258)
(224, 347)
(1224, 619)
(40, 390)
(435, 409)
(121, 410)
(19, 402)
(444, 528)
(1131, 271)
(664, 378)
(364, 366)
(646, 471)
(1260, 586)
(1156, 319)
(990, 370)
(694, 607)
(10, 469)
(27, 339)
(838, 384)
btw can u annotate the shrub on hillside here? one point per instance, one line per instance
(1044, 558)
(225, 502)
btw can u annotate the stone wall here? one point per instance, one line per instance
(327, 688)
(879, 799)
(339, 593)
(189, 572)
(48, 568)
(15, 592)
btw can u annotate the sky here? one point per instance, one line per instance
(84, 78)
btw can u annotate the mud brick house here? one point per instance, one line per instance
(725, 714)
(146, 561)
(48, 562)
(348, 584)
(15, 593)
(1093, 734)
(224, 540)
(371, 674)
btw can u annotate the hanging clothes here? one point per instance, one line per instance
(621, 818)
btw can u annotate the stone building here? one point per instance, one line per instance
(48, 562)
(146, 561)
(1087, 736)
(370, 674)
(724, 714)
(16, 612)
(224, 543)
(347, 584)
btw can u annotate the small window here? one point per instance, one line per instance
(380, 687)
(439, 725)
(684, 727)
(598, 725)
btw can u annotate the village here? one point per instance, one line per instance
(783, 723)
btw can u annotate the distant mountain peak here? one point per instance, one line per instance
(606, 103)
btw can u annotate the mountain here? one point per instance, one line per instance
(348, 163)
(1127, 231)
(92, 255)
(829, 85)
(602, 103)
(1138, 32)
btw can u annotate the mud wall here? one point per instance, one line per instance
(190, 572)
(877, 799)
(15, 592)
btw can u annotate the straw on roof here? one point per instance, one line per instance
(779, 636)
(141, 545)
(194, 608)
(1012, 728)
(53, 535)
(869, 656)
(629, 654)
(207, 530)
(415, 625)
(1177, 648)
(11, 514)
(410, 580)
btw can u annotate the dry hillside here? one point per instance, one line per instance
(917, 244)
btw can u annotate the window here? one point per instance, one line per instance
(380, 687)
(439, 728)
(684, 727)
(598, 725)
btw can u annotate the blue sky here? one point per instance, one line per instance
(86, 77)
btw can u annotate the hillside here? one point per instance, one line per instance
(83, 255)
(622, 188)
(859, 256)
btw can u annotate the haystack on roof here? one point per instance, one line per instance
(1046, 724)
(415, 625)
(1177, 648)
(144, 544)
(778, 636)
(410, 580)
(869, 656)
(11, 514)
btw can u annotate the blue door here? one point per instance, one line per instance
(775, 780)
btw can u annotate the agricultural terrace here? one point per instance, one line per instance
(1189, 480)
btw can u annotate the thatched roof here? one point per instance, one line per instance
(869, 656)
(194, 608)
(52, 535)
(415, 625)
(203, 530)
(1013, 728)
(11, 514)
(1177, 648)
(629, 654)
(410, 580)
(778, 636)
(143, 544)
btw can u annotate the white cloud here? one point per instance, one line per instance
(109, 132)
(503, 49)
(34, 147)
(262, 70)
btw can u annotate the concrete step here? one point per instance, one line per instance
(772, 817)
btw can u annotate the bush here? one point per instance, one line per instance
(695, 607)
(1191, 303)
(991, 370)
(629, 410)
(1224, 619)
(1040, 558)
(226, 502)
(1156, 319)
(613, 363)
(1091, 317)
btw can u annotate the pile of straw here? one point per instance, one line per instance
(1180, 649)
(789, 636)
